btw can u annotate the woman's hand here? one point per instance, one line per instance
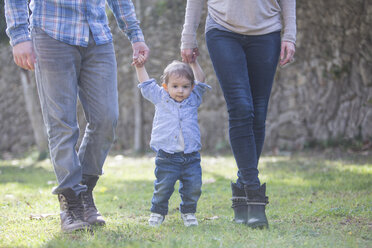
(286, 53)
(189, 55)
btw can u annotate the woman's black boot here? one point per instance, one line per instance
(239, 204)
(257, 200)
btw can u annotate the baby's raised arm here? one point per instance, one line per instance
(142, 74)
(198, 72)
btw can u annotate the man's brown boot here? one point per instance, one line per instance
(71, 212)
(91, 214)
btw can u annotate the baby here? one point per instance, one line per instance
(175, 136)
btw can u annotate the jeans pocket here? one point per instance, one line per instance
(159, 160)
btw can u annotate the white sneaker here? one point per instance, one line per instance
(156, 219)
(189, 219)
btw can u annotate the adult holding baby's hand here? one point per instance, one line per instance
(69, 45)
(245, 44)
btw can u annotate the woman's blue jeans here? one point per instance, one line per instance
(245, 66)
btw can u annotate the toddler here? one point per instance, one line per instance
(175, 136)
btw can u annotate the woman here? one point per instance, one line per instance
(244, 42)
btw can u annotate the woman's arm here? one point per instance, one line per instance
(189, 50)
(289, 34)
(289, 18)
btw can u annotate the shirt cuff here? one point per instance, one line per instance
(188, 40)
(203, 85)
(150, 81)
(136, 36)
(19, 36)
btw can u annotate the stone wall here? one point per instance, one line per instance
(15, 129)
(325, 94)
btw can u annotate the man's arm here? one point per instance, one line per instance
(16, 14)
(125, 15)
(198, 72)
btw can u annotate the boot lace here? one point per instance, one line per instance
(73, 208)
(88, 200)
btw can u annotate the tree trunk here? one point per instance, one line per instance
(33, 110)
(138, 111)
(138, 119)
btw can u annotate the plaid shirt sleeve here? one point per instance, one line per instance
(16, 14)
(126, 18)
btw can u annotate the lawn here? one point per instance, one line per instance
(316, 200)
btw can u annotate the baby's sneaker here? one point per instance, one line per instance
(156, 219)
(189, 219)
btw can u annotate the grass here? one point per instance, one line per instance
(314, 202)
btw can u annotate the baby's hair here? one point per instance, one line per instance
(179, 69)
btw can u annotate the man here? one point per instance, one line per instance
(69, 45)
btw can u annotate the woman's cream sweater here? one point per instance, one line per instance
(249, 17)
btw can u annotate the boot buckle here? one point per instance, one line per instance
(253, 202)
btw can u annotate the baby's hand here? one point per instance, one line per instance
(140, 61)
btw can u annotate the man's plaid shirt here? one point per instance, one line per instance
(69, 21)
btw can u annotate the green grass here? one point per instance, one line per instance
(314, 202)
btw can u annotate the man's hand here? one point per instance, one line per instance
(24, 56)
(140, 48)
(189, 55)
(140, 68)
(287, 52)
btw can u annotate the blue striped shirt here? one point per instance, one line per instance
(172, 117)
(69, 21)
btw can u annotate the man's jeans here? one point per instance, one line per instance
(63, 73)
(245, 67)
(170, 168)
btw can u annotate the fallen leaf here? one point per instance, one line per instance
(9, 196)
(28, 204)
(39, 216)
(119, 157)
(211, 218)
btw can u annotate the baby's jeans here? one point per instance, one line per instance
(170, 168)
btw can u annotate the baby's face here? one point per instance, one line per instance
(179, 88)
